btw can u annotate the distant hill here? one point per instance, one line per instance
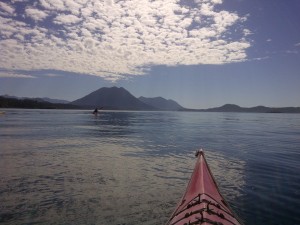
(256, 109)
(161, 103)
(45, 99)
(51, 100)
(226, 108)
(112, 98)
(8, 102)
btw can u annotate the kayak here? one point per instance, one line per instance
(202, 202)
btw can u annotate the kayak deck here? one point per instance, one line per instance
(202, 202)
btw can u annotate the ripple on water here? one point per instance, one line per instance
(68, 167)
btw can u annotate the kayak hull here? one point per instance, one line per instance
(202, 202)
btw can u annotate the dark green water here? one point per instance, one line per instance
(69, 167)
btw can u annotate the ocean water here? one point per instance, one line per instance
(131, 168)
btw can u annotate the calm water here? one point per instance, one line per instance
(125, 168)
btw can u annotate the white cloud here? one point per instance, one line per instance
(57, 5)
(66, 19)
(115, 39)
(6, 9)
(14, 75)
(297, 45)
(73, 6)
(35, 14)
(292, 52)
(247, 32)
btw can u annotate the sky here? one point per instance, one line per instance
(201, 53)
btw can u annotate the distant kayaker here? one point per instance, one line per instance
(95, 112)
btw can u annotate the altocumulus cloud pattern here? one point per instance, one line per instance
(116, 39)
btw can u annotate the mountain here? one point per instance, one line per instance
(161, 103)
(112, 98)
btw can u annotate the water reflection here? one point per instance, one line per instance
(108, 124)
(69, 167)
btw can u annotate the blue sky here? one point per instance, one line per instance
(202, 53)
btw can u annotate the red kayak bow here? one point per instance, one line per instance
(202, 202)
